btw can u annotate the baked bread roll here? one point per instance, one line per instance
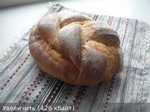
(75, 49)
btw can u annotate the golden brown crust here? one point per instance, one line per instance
(75, 50)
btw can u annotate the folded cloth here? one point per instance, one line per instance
(21, 81)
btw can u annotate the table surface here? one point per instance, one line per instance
(17, 20)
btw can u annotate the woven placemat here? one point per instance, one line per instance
(22, 82)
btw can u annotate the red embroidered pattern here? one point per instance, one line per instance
(18, 68)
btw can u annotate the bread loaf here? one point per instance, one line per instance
(76, 49)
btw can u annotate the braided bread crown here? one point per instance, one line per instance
(75, 49)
